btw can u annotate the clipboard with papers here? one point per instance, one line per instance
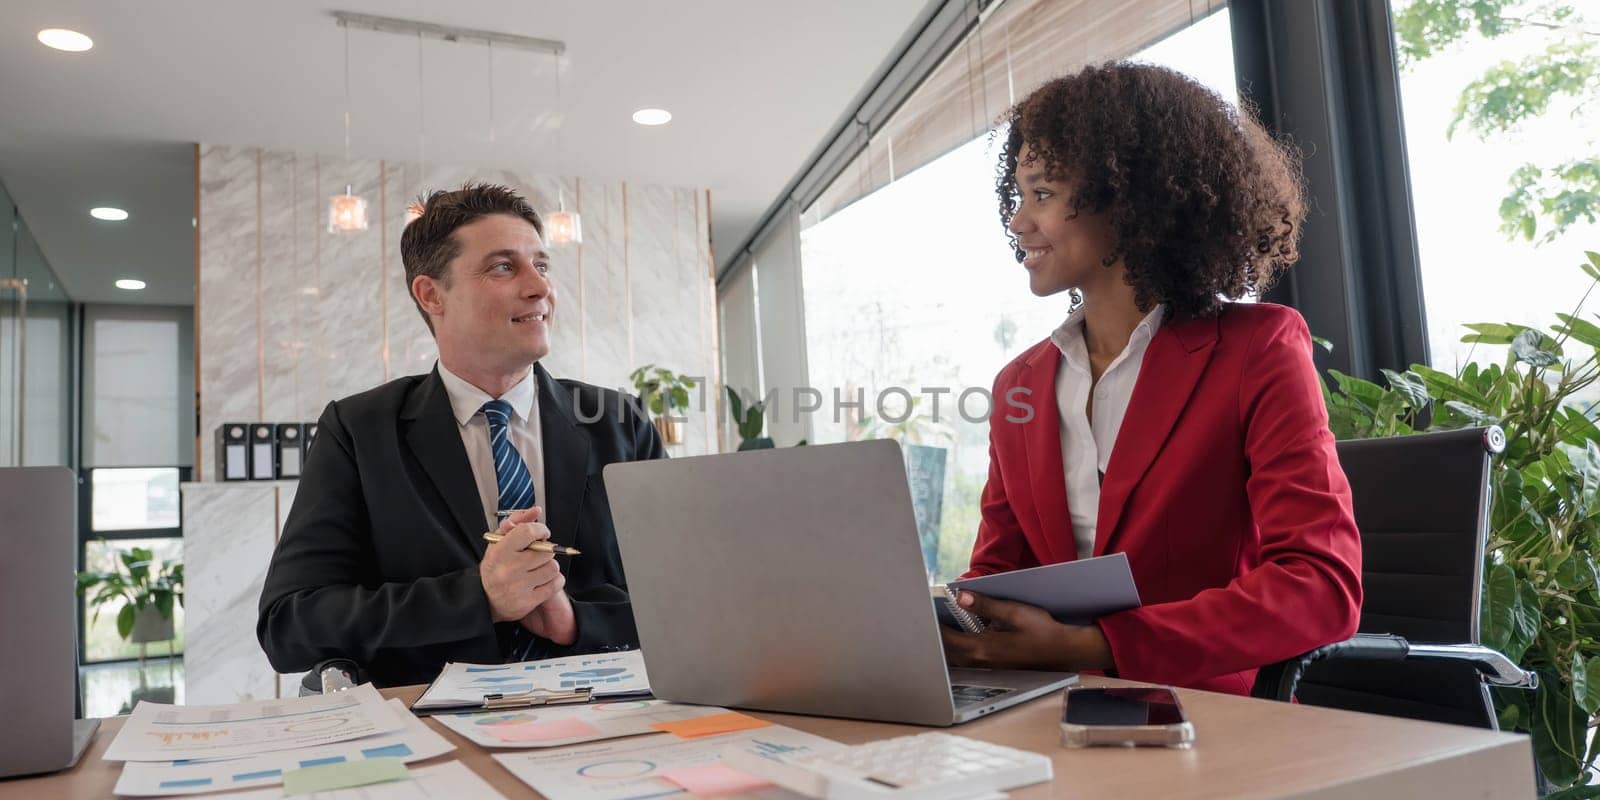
(553, 681)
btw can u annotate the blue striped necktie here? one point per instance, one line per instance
(510, 471)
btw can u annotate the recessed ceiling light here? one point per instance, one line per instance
(652, 116)
(108, 214)
(131, 284)
(63, 39)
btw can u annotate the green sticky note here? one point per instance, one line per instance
(343, 775)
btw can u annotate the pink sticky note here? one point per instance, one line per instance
(713, 780)
(542, 731)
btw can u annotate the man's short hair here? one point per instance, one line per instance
(428, 243)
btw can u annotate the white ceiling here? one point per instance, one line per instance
(753, 85)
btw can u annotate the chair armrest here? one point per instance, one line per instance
(1495, 667)
(1279, 681)
(331, 675)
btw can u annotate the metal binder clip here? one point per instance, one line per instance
(537, 697)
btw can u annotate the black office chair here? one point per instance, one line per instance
(1422, 506)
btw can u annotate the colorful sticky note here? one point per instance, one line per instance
(713, 780)
(344, 775)
(710, 725)
(541, 731)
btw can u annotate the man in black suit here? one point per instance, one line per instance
(382, 558)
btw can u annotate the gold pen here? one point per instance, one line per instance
(493, 537)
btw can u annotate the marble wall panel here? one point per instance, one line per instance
(227, 340)
(664, 302)
(607, 329)
(228, 540)
(283, 340)
(310, 219)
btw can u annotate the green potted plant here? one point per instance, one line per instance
(147, 588)
(750, 421)
(1541, 598)
(666, 394)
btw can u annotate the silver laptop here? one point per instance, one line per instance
(38, 637)
(791, 580)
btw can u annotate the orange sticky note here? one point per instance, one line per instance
(710, 725)
(713, 780)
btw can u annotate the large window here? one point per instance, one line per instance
(1502, 133)
(912, 291)
(138, 423)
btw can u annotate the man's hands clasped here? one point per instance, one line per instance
(525, 585)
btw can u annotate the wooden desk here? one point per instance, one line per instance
(1243, 749)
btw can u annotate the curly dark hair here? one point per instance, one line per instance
(1202, 200)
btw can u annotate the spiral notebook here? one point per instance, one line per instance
(1074, 592)
(951, 614)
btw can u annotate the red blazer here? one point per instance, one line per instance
(1223, 489)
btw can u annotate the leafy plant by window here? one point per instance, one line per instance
(1549, 197)
(750, 421)
(139, 581)
(663, 391)
(1541, 598)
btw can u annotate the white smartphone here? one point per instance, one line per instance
(1092, 717)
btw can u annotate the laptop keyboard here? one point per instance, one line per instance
(965, 695)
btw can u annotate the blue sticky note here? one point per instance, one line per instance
(399, 750)
(185, 783)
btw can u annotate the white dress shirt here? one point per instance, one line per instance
(1085, 444)
(466, 401)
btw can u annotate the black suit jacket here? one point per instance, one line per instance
(379, 556)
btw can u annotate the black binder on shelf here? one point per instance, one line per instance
(263, 451)
(291, 449)
(233, 451)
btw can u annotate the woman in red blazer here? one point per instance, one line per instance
(1150, 200)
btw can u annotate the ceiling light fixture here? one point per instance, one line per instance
(652, 116)
(63, 39)
(347, 212)
(108, 214)
(562, 226)
(422, 30)
(131, 284)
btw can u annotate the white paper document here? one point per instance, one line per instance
(606, 674)
(415, 742)
(649, 766)
(451, 780)
(553, 726)
(160, 732)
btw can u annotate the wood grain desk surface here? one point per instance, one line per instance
(1243, 748)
